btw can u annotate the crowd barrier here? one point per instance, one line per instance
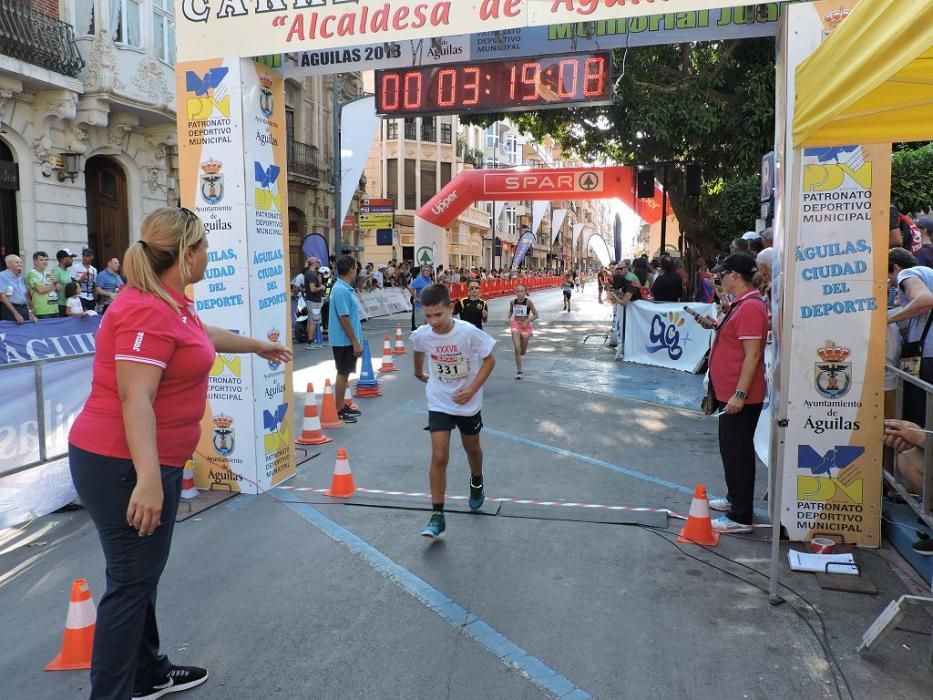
(45, 372)
(491, 289)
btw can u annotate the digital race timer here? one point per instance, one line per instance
(497, 86)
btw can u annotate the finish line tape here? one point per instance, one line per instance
(523, 501)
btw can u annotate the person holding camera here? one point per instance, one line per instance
(737, 374)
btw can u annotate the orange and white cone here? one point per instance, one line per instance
(188, 489)
(699, 527)
(387, 364)
(311, 433)
(79, 631)
(329, 417)
(399, 340)
(341, 484)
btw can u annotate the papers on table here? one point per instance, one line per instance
(839, 563)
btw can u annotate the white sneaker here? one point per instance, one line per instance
(720, 504)
(724, 524)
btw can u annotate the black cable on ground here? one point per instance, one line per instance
(832, 661)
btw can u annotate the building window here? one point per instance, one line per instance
(84, 18)
(512, 221)
(492, 135)
(392, 177)
(392, 129)
(446, 132)
(411, 185)
(125, 22)
(163, 30)
(428, 130)
(428, 181)
(446, 174)
(411, 131)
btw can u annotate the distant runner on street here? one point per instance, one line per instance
(460, 361)
(523, 314)
(567, 288)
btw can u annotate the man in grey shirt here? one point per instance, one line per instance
(14, 302)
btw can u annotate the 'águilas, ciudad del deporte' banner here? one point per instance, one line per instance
(231, 125)
(207, 28)
(832, 449)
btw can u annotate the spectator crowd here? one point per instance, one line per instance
(68, 288)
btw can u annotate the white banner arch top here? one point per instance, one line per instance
(219, 28)
(525, 184)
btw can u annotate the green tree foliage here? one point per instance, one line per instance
(711, 104)
(912, 178)
(728, 209)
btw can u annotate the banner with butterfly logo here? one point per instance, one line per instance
(232, 172)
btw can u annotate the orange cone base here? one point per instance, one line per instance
(367, 392)
(313, 440)
(341, 486)
(82, 639)
(708, 539)
(399, 351)
(332, 424)
(390, 368)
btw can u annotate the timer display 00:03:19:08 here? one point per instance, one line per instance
(496, 86)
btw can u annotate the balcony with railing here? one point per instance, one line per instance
(304, 161)
(35, 38)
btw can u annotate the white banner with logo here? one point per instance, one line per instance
(232, 172)
(207, 28)
(664, 335)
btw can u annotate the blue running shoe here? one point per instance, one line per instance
(477, 496)
(435, 527)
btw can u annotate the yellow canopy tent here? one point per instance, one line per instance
(871, 81)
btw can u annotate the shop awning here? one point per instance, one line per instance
(871, 81)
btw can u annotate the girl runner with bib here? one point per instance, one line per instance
(523, 314)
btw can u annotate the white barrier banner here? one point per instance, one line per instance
(665, 335)
(40, 490)
(384, 302)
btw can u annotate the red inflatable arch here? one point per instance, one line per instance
(523, 184)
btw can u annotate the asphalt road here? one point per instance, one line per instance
(294, 595)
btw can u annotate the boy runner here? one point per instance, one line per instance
(472, 309)
(460, 361)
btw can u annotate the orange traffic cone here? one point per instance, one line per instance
(79, 631)
(188, 489)
(399, 340)
(699, 527)
(387, 364)
(311, 433)
(341, 485)
(329, 417)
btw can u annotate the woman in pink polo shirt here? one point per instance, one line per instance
(128, 447)
(737, 372)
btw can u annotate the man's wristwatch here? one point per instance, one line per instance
(739, 394)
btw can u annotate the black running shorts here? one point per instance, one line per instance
(444, 422)
(344, 359)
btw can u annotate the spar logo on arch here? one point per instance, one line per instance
(208, 96)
